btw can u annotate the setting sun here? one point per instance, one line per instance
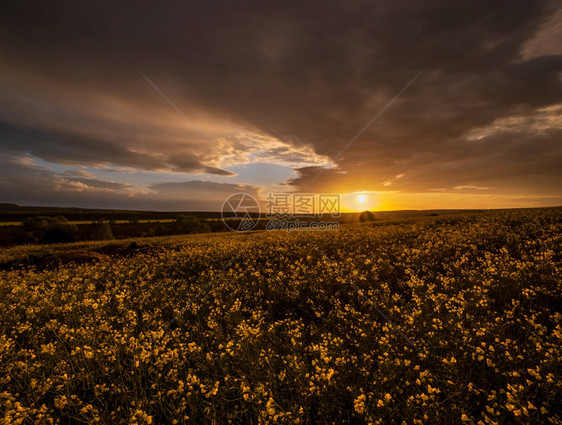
(360, 201)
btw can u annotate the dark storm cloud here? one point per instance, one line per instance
(84, 137)
(207, 193)
(308, 74)
(26, 183)
(99, 184)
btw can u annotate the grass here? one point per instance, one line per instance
(449, 319)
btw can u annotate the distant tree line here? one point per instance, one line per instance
(57, 229)
(47, 230)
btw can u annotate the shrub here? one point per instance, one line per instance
(50, 229)
(189, 224)
(366, 216)
(97, 231)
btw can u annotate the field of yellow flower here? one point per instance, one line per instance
(440, 320)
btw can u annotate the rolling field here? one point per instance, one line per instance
(435, 320)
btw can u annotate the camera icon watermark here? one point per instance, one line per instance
(241, 212)
(283, 211)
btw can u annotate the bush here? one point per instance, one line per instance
(50, 229)
(189, 224)
(366, 216)
(98, 231)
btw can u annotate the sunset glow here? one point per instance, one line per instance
(165, 112)
(357, 202)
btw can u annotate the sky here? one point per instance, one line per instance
(176, 105)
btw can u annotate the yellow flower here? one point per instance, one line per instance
(270, 407)
(359, 404)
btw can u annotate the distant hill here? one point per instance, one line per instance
(13, 213)
(5, 206)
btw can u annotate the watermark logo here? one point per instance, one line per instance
(303, 205)
(296, 224)
(240, 212)
(284, 211)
